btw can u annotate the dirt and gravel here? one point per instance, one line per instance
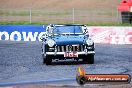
(21, 62)
(60, 4)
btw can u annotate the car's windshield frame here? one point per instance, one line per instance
(70, 30)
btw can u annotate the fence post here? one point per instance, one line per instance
(30, 18)
(119, 17)
(73, 15)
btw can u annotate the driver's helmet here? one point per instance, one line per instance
(50, 29)
(84, 29)
(52, 25)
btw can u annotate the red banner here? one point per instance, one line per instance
(111, 35)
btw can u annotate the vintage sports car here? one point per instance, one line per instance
(67, 42)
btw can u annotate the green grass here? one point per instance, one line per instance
(14, 13)
(111, 24)
(34, 13)
(22, 23)
(43, 23)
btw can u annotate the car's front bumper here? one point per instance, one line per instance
(62, 53)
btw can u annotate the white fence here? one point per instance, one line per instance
(72, 15)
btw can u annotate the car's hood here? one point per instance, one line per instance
(69, 40)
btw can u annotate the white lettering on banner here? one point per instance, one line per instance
(16, 36)
(5, 34)
(40, 35)
(12, 36)
(30, 36)
(117, 39)
(128, 39)
(100, 37)
(121, 39)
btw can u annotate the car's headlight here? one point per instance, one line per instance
(89, 41)
(50, 42)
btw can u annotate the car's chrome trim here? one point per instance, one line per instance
(62, 53)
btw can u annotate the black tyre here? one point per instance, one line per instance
(43, 57)
(126, 17)
(89, 59)
(47, 60)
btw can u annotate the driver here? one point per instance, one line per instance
(49, 29)
(84, 29)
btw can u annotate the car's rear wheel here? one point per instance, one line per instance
(47, 60)
(89, 59)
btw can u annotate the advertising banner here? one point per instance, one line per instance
(100, 34)
(21, 32)
(111, 35)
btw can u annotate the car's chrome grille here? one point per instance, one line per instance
(72, 48)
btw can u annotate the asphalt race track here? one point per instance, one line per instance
(22, 62)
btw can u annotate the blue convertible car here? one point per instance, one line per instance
(67, 42)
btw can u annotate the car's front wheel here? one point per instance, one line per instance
(43, 57)
(89, 59)
(47, 60)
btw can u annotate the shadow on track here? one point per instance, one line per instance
(68, 63)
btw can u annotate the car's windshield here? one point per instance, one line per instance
(68, 30)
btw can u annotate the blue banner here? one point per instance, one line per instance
(22, 32)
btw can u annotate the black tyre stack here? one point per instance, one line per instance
(126, 17)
